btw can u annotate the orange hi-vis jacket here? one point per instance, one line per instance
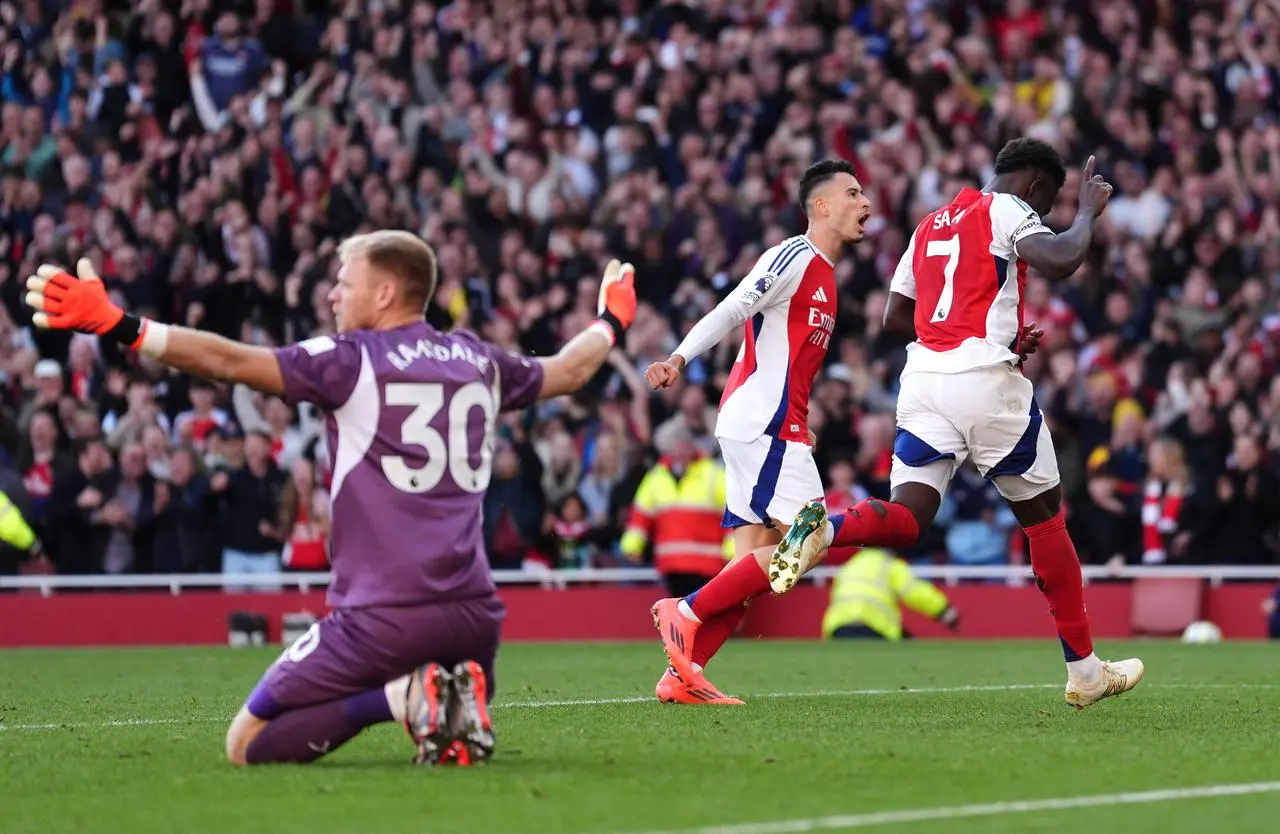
(682, 518)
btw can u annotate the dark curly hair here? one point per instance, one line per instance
(1024, 153)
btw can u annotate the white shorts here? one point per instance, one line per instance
(767, 479)
(989, 414)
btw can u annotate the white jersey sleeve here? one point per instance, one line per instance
(771, 281)
(1011, 221)
(904, 277)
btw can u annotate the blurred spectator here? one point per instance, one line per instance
(677, 514)
(694, 417)
(125, 519)
(250, 498)
(194, 424)
(1232, 518)
(40, 461)
(1168, 482)
(562, 467)
(843, 491)
(512, 508)
(571, 533)
(277, 420)
(602, 486)
(155, 445)
(1271, 610)
(78, 494)
(48, 390)
(186, 520)
(868, 594)
(229, 66)
(17, 538)
(224, 448)
(304, 519)
(139, 410)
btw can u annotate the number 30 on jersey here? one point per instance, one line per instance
(454, 454)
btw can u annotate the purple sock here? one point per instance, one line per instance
(306, 734)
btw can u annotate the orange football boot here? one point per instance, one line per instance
(456, 753)
(677, 632)
(673, 690)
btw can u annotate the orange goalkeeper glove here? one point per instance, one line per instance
(617, 307)
(63, 302)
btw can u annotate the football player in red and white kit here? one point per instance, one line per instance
(959, 291)
(787, 307)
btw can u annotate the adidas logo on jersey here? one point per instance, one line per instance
(820, 295)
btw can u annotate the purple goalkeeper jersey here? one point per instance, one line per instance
(410, 416)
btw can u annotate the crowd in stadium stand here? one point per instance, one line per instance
(208, 156)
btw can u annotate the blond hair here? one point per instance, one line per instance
(1179, 472)
(404, 255)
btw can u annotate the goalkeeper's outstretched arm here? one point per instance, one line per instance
(64, 303)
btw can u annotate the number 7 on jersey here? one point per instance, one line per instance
(950, 249)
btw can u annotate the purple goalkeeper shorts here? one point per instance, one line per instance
(356, 649)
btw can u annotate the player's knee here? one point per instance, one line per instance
(237, 746)
(243, 730)
(921, 500)
(1038, 509)
(748, 538)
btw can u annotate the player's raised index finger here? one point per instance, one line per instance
(1088, 167)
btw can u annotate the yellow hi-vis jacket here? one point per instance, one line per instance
(14, 530)
(868, 590)
(682, 518)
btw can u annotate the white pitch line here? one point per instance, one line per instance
(580, 702)
(121, 722)
(989, 809)
(644, 699)
(846, 693)
(821, 693)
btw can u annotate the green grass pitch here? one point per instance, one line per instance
(131, 741)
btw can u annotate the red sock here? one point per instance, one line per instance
(875, 523)
(732, 586)
(1057, 570)
(713, 633)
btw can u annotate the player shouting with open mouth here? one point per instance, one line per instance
(787, 306)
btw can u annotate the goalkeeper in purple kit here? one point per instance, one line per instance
(410, 413)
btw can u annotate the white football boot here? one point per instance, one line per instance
(800, 549)
(1117, 676)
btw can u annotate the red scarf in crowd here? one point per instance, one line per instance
(1161, 504)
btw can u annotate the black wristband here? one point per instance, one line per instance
(616, 326)
(127, 330)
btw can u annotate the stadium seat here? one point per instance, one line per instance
(1165, 606)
